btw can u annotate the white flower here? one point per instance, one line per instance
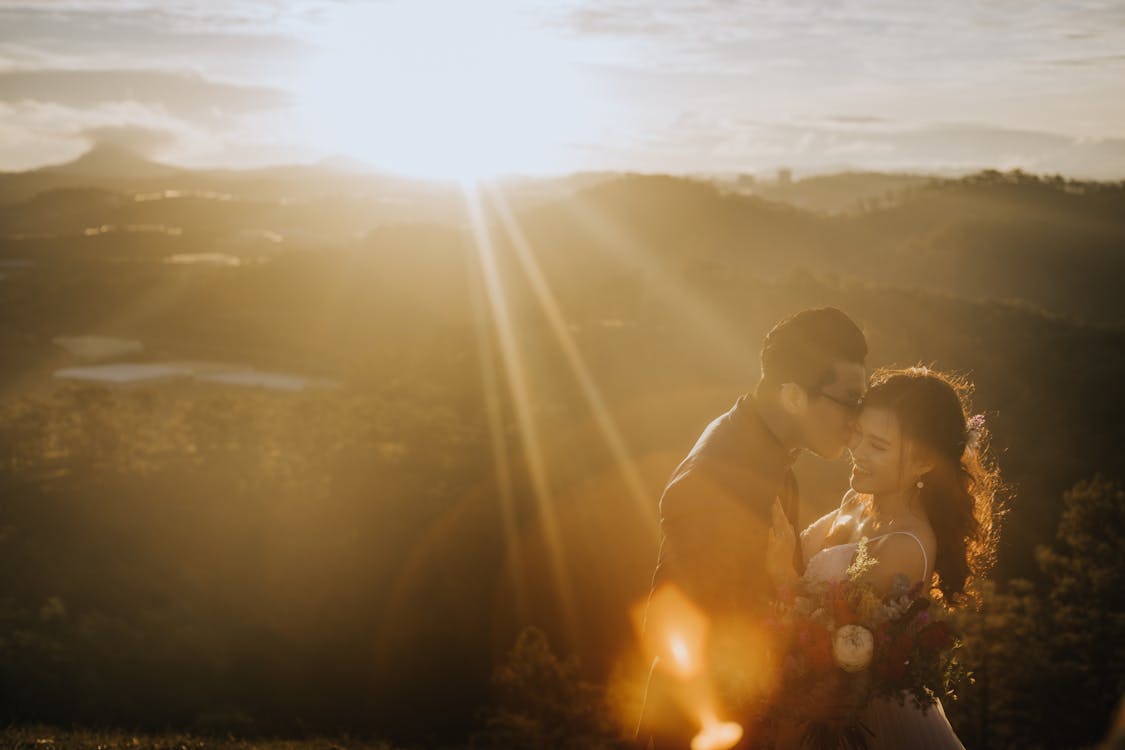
(852, 647)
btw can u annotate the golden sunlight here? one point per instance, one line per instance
(680, 653)
(522, 401)
(449, 90)
(672, 629)
(717, 735)
(581, 371)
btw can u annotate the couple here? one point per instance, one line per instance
(920, 493)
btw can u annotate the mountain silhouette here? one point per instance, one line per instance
(108, 161)
(1043, 241)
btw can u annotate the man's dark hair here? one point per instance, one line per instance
(803, 348)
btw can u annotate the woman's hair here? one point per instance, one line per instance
(961, 494)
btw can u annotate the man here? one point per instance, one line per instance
(715, 513)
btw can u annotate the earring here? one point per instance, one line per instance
(920, 484)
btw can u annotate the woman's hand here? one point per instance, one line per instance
(780, 548)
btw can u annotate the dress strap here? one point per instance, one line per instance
(925, 558)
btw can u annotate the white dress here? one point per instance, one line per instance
(894, 726)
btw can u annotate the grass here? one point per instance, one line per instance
(39, 737)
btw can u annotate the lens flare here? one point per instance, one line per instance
(717, 735)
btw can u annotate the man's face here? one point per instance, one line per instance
(832, 410)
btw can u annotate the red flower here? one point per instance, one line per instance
(815, 644)
(936, 636)
(843, 611)
(892, 667)
(883, 635)
(902, 646)
(819, 650)
(892, 672)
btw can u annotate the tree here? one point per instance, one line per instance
(1086, 600)
(1004, 647)
(1048, 662)
(542, 703)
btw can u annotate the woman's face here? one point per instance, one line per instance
(878, 453)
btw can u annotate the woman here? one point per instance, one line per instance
(923, 494)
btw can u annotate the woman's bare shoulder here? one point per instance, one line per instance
(922, 532)
(910, 550)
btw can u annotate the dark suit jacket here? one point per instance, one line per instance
(715, 513)
(714, 518)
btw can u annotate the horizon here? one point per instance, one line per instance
(343, 164)
(435, 90)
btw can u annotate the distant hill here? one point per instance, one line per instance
(1044, 242)
(117, 169)
(846, 192)
(333, 197)
(111, 162)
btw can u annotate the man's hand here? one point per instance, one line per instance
(780, 548)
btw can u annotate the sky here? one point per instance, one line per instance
(458, 88)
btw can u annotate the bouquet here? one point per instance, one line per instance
(841, 645)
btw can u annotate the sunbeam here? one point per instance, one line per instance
(714, 330)
(521, 399)
(501, 461)
(550, 306)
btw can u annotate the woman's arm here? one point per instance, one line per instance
(813, 537)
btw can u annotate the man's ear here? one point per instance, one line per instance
(793, 399)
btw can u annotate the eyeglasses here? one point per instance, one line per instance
(849, 405)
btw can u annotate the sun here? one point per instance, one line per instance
(459, 91)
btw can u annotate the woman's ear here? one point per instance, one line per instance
(919, 461)
(793, 399)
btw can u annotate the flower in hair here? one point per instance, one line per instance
(974, 429)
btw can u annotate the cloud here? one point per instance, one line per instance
(146, 142)
(616, 19)
(857, 119)
(1091, 61)
(231, 41)
(250, 16)
(846, 42)
(35, 134)
(695, 142)
(802, 83)
(185, 95)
